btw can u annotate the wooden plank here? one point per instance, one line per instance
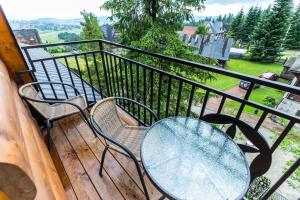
(9, 49)
(126, 163)
(44, 173)
(16, 176)
(62, 174)
(82, 185)
(104, 185)
(129, 165)
(122, 180)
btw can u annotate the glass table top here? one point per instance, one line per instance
(189, 159)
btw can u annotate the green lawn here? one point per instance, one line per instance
(258, 95)
(51, 37)
(244, 67)
(250, 68)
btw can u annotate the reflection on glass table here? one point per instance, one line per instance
(187, 158)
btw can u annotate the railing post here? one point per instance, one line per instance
(104, 67)
(33, 70)
(282, 179)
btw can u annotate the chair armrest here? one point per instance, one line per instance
(96, 128)
(56, 83)
(139, 104)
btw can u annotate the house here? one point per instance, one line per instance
(237, 52)
(210, 46)
(290, 102)
(189, 30)
(110, 33)
(293, 62)
(217, 28)
(27, 36)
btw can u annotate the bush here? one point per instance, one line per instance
(258, 187)
(56, 50)
(270, 101)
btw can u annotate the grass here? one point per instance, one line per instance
(52, 37)
(258, 96)
(251, 68)
(245, 67)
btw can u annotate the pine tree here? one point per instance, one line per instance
(251, 21)
(237, 25)
(90, 30)
(268, 36)
(293, 36)
(90, 26)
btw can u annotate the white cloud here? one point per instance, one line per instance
(221, 7)
(30, 9)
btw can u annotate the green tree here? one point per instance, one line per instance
(135, 18)
(251, 21)
(268, 36)
(293, 36)
(202, 29)
(151, 25)
(68, 37)
(228, 19)
(237, 26)
(90, 29)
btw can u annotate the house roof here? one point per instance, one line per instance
(210, 46)
(189, 30)
(216, 27)
(40, 53)
(293, 64)
(27, 36)
(109, 32)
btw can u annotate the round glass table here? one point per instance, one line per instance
(187, 158)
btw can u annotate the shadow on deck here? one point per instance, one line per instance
(76, 154)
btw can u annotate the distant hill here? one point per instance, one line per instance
(53, 24)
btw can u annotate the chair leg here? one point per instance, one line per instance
(142, 179)
(162, 198)
(48, 126)
(87, 120)
(102, 160)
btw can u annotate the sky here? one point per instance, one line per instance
(68, 9)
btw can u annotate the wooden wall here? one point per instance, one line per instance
(10, 52)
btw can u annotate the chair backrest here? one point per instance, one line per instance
(262, 162)
(29, 91)
(106, 116)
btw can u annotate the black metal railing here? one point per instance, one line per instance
(111, 69)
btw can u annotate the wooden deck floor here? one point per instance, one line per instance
(76, 154)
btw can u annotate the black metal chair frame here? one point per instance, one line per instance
(129, 153)
(260, 163)
(48, 123)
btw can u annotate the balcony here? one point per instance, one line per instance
(110, 69)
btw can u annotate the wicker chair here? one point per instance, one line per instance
(118, 136)
(52, 110)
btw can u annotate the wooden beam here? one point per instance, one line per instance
(16, 176)
(10, 52)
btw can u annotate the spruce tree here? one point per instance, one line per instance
(251, 21)
(293, 36)
(90, 29)
(237, 25)
(268, 36)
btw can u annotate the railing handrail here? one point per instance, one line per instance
(250, 78)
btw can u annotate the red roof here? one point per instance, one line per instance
(189, 30)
